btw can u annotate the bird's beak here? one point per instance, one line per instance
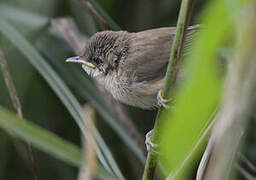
(78, 59)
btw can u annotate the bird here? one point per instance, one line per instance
(131, 65)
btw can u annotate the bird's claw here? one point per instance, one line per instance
(161, 101)
(149, 144)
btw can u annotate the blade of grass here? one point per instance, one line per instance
(81, 83)
(197, 97)
(78, 80)
(43, 140)
(244, 173)
(238, 98)
(83, 18)
(40, 138)
(61, 90)
(22, 18)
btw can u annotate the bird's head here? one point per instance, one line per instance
(103, 52)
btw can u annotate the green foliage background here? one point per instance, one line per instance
(40, 103)
(52, 93)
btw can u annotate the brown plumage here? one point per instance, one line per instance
(131, 66)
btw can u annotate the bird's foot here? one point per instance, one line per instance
(149, 144)
(161, 101)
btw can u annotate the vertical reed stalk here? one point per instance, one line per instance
(172, 70)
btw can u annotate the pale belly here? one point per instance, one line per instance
(128, 93)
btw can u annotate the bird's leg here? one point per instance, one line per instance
(149, 144)
(161, 101)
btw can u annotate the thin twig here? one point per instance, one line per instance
(172, 71)
(101, 15)
(89, 167)
(17, 106)
(72, 38)
(70, 35)
(247, 164)
(100, 19)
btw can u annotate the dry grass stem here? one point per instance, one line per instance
(237, 102)
(89, 167)
(100, 19)
(70, 35)
(10, 86)
(17, 106)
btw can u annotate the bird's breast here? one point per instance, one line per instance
(125, 91)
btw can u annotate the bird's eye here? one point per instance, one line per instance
(97, 60)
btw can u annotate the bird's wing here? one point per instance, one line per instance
(151, 49)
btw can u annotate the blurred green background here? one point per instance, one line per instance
(39, 102)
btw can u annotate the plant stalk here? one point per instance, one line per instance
(17, 106)
(172, 71)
